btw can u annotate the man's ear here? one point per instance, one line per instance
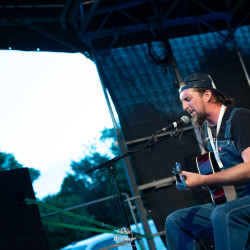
(207, 96)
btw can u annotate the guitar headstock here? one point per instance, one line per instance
(177, 168)
(177, 171)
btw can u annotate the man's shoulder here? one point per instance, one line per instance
(241, 113)
(235, 112)
(241, 128)
(241, 121)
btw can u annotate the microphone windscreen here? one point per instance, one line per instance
(185, 119)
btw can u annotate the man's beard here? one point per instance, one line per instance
(200, 117)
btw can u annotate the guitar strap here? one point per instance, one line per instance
(215, 146)
(228, 190)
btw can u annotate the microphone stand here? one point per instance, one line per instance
(110, 164)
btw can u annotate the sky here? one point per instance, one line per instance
(52, 106)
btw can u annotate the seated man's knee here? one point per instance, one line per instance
(218, 216)
(172, 219)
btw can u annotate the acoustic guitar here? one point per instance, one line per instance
(207, 164)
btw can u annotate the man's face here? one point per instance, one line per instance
(194, 104)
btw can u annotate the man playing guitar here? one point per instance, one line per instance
(226, 134)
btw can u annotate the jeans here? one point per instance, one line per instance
(226, 226)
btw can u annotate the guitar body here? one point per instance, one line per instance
(207, 164)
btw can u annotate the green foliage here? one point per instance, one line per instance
(8, 162)
(80, 188)
(34, 174)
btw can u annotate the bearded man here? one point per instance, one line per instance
(226, 132)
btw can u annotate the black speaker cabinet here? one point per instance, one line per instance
(20, 224)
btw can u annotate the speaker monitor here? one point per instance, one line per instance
(20, 224)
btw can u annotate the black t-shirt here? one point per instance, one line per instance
(240, 128)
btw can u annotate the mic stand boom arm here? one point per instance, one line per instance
(116, 159)
(149, 144)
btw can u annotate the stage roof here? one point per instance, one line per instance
(84, 26)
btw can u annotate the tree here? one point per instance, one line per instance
(79, 188)
(8, 162)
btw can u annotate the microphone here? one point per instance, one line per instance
(183, 120)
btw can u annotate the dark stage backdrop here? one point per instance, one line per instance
(141, 81)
